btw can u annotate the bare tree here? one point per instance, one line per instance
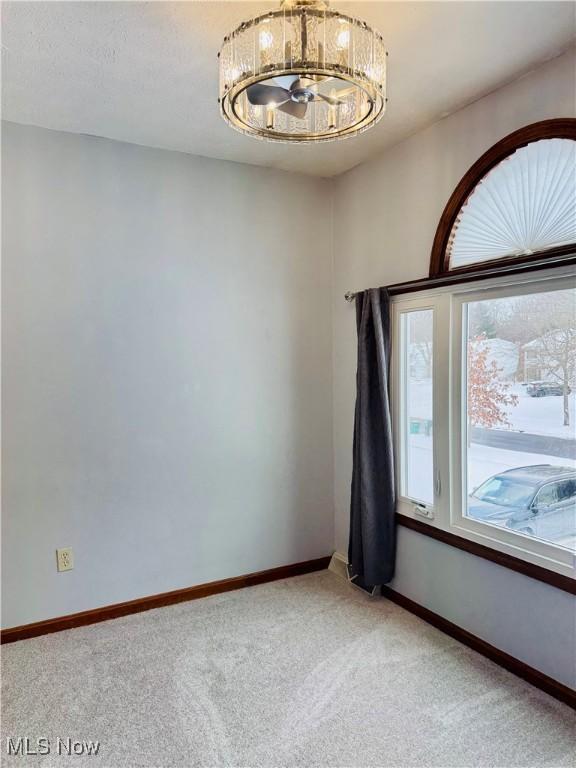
(551, 320)
(555, 353)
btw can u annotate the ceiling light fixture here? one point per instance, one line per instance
(303, 73)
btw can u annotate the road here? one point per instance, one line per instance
(524, 441)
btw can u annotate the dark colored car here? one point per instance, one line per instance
(545, 388)
(556, 523)
(539, 500)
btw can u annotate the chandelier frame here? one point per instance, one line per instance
(372, 88)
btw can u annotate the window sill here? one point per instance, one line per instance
(558, 580)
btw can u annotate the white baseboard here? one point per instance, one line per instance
(339, 565)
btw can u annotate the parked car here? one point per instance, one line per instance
(539, 500)
(545, 388)
(556, 524)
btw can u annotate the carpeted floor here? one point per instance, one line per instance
(302, 672)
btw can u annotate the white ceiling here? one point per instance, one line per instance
(146, 72)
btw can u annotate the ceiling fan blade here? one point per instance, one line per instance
(332, 101)
(294, 109)
(332, 91)
(286, 81)
(345, 92)
(259, 94)
(314, 82)
(304, 83)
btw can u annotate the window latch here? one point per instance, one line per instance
(423, 511)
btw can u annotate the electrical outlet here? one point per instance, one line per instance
(65, 559)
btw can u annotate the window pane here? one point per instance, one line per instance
(521, 436)
(523, 205)
(417, 461)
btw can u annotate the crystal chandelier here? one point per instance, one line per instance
(303, 73)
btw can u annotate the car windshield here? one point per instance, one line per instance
(506, 492)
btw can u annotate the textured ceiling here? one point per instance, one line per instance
(147, 72)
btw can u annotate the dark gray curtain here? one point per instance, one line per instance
(372, 544)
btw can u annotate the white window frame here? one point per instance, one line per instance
(449, 419)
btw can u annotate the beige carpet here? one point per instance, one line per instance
(302, 672)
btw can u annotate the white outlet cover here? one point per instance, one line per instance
(65, 559)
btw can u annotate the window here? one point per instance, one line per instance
(521, 439)
(524, 205)
(485, 451)
(417, 478)
(484, 362)
(545, 497)
(516, 203)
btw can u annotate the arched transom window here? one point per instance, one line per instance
(517, 202)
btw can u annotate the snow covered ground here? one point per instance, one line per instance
(541, 415)
(483, 462)
(419, 399)
(536, 415)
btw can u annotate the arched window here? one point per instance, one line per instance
(517, 202)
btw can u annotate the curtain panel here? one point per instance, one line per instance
(372, 543)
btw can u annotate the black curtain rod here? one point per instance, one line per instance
(471, 275)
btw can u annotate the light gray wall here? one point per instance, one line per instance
(385, 216)
(167, 371)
